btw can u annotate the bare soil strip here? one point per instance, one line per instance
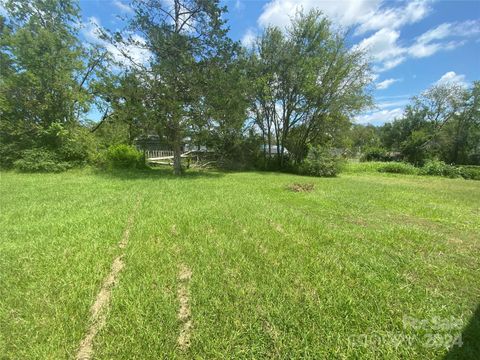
(100, 307)
(126, 234)
(99, 310)
(184, 313)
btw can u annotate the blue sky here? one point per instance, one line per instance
(413, 44)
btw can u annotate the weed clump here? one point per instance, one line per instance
(297, 187)
(398, 168)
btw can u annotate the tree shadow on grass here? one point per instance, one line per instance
(470, 348)
(157, 174)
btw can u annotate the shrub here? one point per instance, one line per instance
(9, 153)
(470, 172)
(99, 159)
(413, 149)
(320, 162)
(374, 154)
(397, 168)
(439, 168)
(124, 156)
(273, 164)
(78, 147)
(361, 167)
(64, 145)
(40, 160)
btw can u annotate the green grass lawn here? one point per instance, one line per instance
(331, 273)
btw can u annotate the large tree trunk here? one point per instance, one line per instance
(282, 155)
(277, 140)
(177, 160)
(269, 135)
(457, 143)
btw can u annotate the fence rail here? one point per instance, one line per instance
(150, 154)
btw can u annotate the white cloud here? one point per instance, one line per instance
(239, 5)
(390, 64)
(346, 12)
(382, 45)
(366, 14)
(395, 17)
(3, 11)
(383, 17)
(386, 83)
(393, 103)
(439, 32)
(459, 29)
(122, 7)
(433, 40)
(91, 29)
(380, 116)
(249, 37)
(387, 109)
(452, 77)
(135, 51)
(385, 49)
(420, 50)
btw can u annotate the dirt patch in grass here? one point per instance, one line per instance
(278, 227)
(174, 230)
(100, 307)
(298, 187)
(184, 313)
(126, 234)
(185, 273)
(99, 310)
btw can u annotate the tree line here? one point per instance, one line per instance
(278, 104)
(442, 123)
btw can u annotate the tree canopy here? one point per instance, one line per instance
(290, 98)
(307, 83)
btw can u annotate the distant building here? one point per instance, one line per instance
(274, 150)
(153, 142)
(148, 142)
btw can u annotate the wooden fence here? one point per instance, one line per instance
(152, 154)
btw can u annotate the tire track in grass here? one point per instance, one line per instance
(184, 313)
(99, 309)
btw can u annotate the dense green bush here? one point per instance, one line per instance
(320, 162)
(54, 148)
(124, 156)
(78, 147)
(397, 168)
(434, 168)
(470, 172)
(9, 153)
(439, 168)
(40, 160)
(273, 164)
(374, 154)
(414, 150)
(361, 167)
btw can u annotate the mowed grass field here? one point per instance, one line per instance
(331, 273)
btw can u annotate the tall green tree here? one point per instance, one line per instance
(46, 74)
(185, 38)
(222, 110)
(124, 117)
(443, 122)
(362, 137)
(459, 142)
(308, 82)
